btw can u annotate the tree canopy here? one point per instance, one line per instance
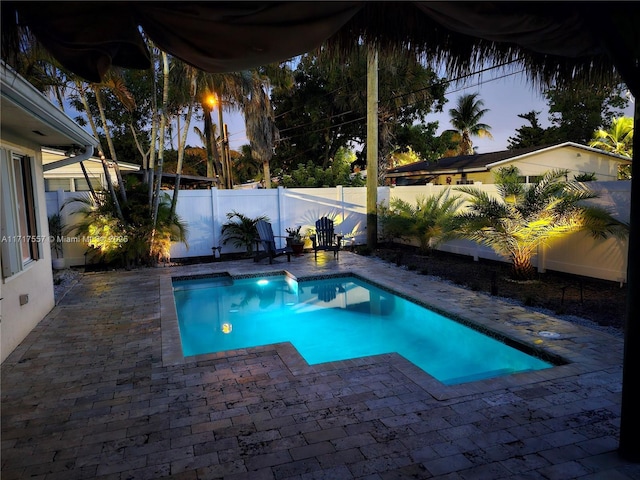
(326, 108)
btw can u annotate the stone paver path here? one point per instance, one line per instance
(100, 390)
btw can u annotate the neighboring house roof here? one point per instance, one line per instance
(483, 162)
(192, 181)
(51, 155)
(28, 114)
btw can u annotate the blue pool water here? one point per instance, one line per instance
(337, 319)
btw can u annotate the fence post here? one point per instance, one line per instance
(542, 259)
(60, 199)
(215, 206)
(340, 199)
(281, 203)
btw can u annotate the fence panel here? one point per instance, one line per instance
(205, 211)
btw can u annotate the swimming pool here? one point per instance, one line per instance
(332, 319)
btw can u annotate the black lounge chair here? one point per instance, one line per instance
(325, 238)
(267, 241)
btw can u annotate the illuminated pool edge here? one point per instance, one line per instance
(542, 354)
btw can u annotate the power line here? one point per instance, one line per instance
(407, 104)
(468, 75)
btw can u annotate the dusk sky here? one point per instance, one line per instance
(505, 97)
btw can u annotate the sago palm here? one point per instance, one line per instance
(430, 220)
(526, 216)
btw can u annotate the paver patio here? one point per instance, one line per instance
(100, 390)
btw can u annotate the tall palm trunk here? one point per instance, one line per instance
(522, 267)
(213, 157)
(163, 124)
(112, 149)
(149, 176)
(261, 129)
(182, 142)
(105, 167)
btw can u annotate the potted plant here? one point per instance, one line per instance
(295, 240)
(241, 231)
(56, 232)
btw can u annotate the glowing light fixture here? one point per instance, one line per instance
(263, 282)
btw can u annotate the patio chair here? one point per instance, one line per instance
(325, 238)
(267, 241)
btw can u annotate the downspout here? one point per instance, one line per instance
(88, 153)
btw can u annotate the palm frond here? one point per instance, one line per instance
(514, 226)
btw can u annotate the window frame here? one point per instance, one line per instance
(19, 222)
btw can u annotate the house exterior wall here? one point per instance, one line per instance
(70, 173)
(36, 279)
(67, 177)
(566, 157)
(453, 178)
(576, 160)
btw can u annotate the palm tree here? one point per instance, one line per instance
(618, 139)
(430, 221)
(465, 119)
(261, 129)
(189, 99)
(245, 166)
(241, 230)
(134, 239)
(527, 216)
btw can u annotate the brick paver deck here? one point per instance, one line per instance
(100, 390)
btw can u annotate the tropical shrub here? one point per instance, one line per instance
(526, 216)
(241, 230)
(430, 221)
(586, 177)
(130, 240)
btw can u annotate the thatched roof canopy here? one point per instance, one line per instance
(554, 41)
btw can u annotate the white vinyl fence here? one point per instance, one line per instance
(205, 211)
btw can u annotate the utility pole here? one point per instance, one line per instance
(223, 146)
(227, 157)
(372, 147)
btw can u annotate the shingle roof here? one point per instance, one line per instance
(480, 162)
(466, 163)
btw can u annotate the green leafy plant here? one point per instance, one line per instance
(585, 177)
(294, 234)
(241, 230)
(133, 240)
(430, 221)
(526, 216)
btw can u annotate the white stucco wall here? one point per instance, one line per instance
(36, 280)
(576, 160)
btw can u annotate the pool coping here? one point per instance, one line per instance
(562, 348)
